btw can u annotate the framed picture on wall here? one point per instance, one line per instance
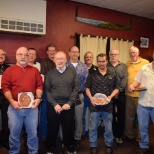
(144, 42)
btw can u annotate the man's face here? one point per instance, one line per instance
(88, 58)
(2, 56)
(22, 56)
(134, 55)
(32, 56)
(60, 60)
(102, 62)
(114, 55)
(51, 52)
(74, 54)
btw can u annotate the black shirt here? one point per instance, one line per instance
(105, 84)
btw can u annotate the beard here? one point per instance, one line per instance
(23, 62)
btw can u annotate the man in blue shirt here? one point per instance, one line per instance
(82, 73)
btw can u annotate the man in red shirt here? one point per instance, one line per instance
(17, 80)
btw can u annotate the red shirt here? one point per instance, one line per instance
(21, 79)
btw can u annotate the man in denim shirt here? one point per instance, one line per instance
(82, 72)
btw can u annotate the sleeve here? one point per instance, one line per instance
(39, 83)
(75, 91)
(88, 82)
(6, 81)
(84, 77)
(123, 80)
(139, 75)
(48, 87)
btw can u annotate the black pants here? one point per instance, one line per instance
(4, 138)
(118, 124)
(66, 119)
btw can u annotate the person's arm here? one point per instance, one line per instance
(38, 98)
(75, 91)
(132, 86)
(88, 93)
(123, 79)
(15, 104)
(114, 93)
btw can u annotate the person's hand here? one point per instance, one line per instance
(66, 107)
(16, 105)
(116, 96)
(58, 108)
(131, 88)
(92, 100)
(36, 102)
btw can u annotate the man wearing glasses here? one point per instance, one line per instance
(119, 100)
(22, 80)
(82, 72)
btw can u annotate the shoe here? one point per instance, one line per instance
(118, 140)
(142, 151)
(108, 150)
(72, 152)
(82, 138)
(93, 150)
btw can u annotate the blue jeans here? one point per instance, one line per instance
(18, 118)
(108, 134)
(144, 114)
(85, 106)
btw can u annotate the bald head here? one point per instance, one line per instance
(60, 59)
(22, 56)
(2, 56)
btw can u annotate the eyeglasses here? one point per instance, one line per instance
(21, 55)
(59, 59)
(31, 54)
(114, 54)
(74, 51)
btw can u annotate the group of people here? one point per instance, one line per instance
(63, 90)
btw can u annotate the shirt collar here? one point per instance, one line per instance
(61, 70)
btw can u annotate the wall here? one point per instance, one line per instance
(61, 29)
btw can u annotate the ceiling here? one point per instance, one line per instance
(143, 8)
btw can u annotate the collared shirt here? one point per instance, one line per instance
(105, 84)
(82, 72)
(61, 70)
(146, 79)
(92, 69)
(121, 73)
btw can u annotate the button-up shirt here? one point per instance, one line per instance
(82, 72)
(146, 79)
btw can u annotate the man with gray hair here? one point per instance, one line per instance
(133, 65)
(22, 86)
(118, 124)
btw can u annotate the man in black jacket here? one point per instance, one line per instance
(4, 138)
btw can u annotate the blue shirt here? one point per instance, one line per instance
(82, 72)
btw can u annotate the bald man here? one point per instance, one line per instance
(22, 78)
(62, 87)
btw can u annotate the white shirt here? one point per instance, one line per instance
(37, 65)
(146, 79)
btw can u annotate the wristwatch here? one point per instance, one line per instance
(39, 98)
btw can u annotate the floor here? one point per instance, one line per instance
(83, 148)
